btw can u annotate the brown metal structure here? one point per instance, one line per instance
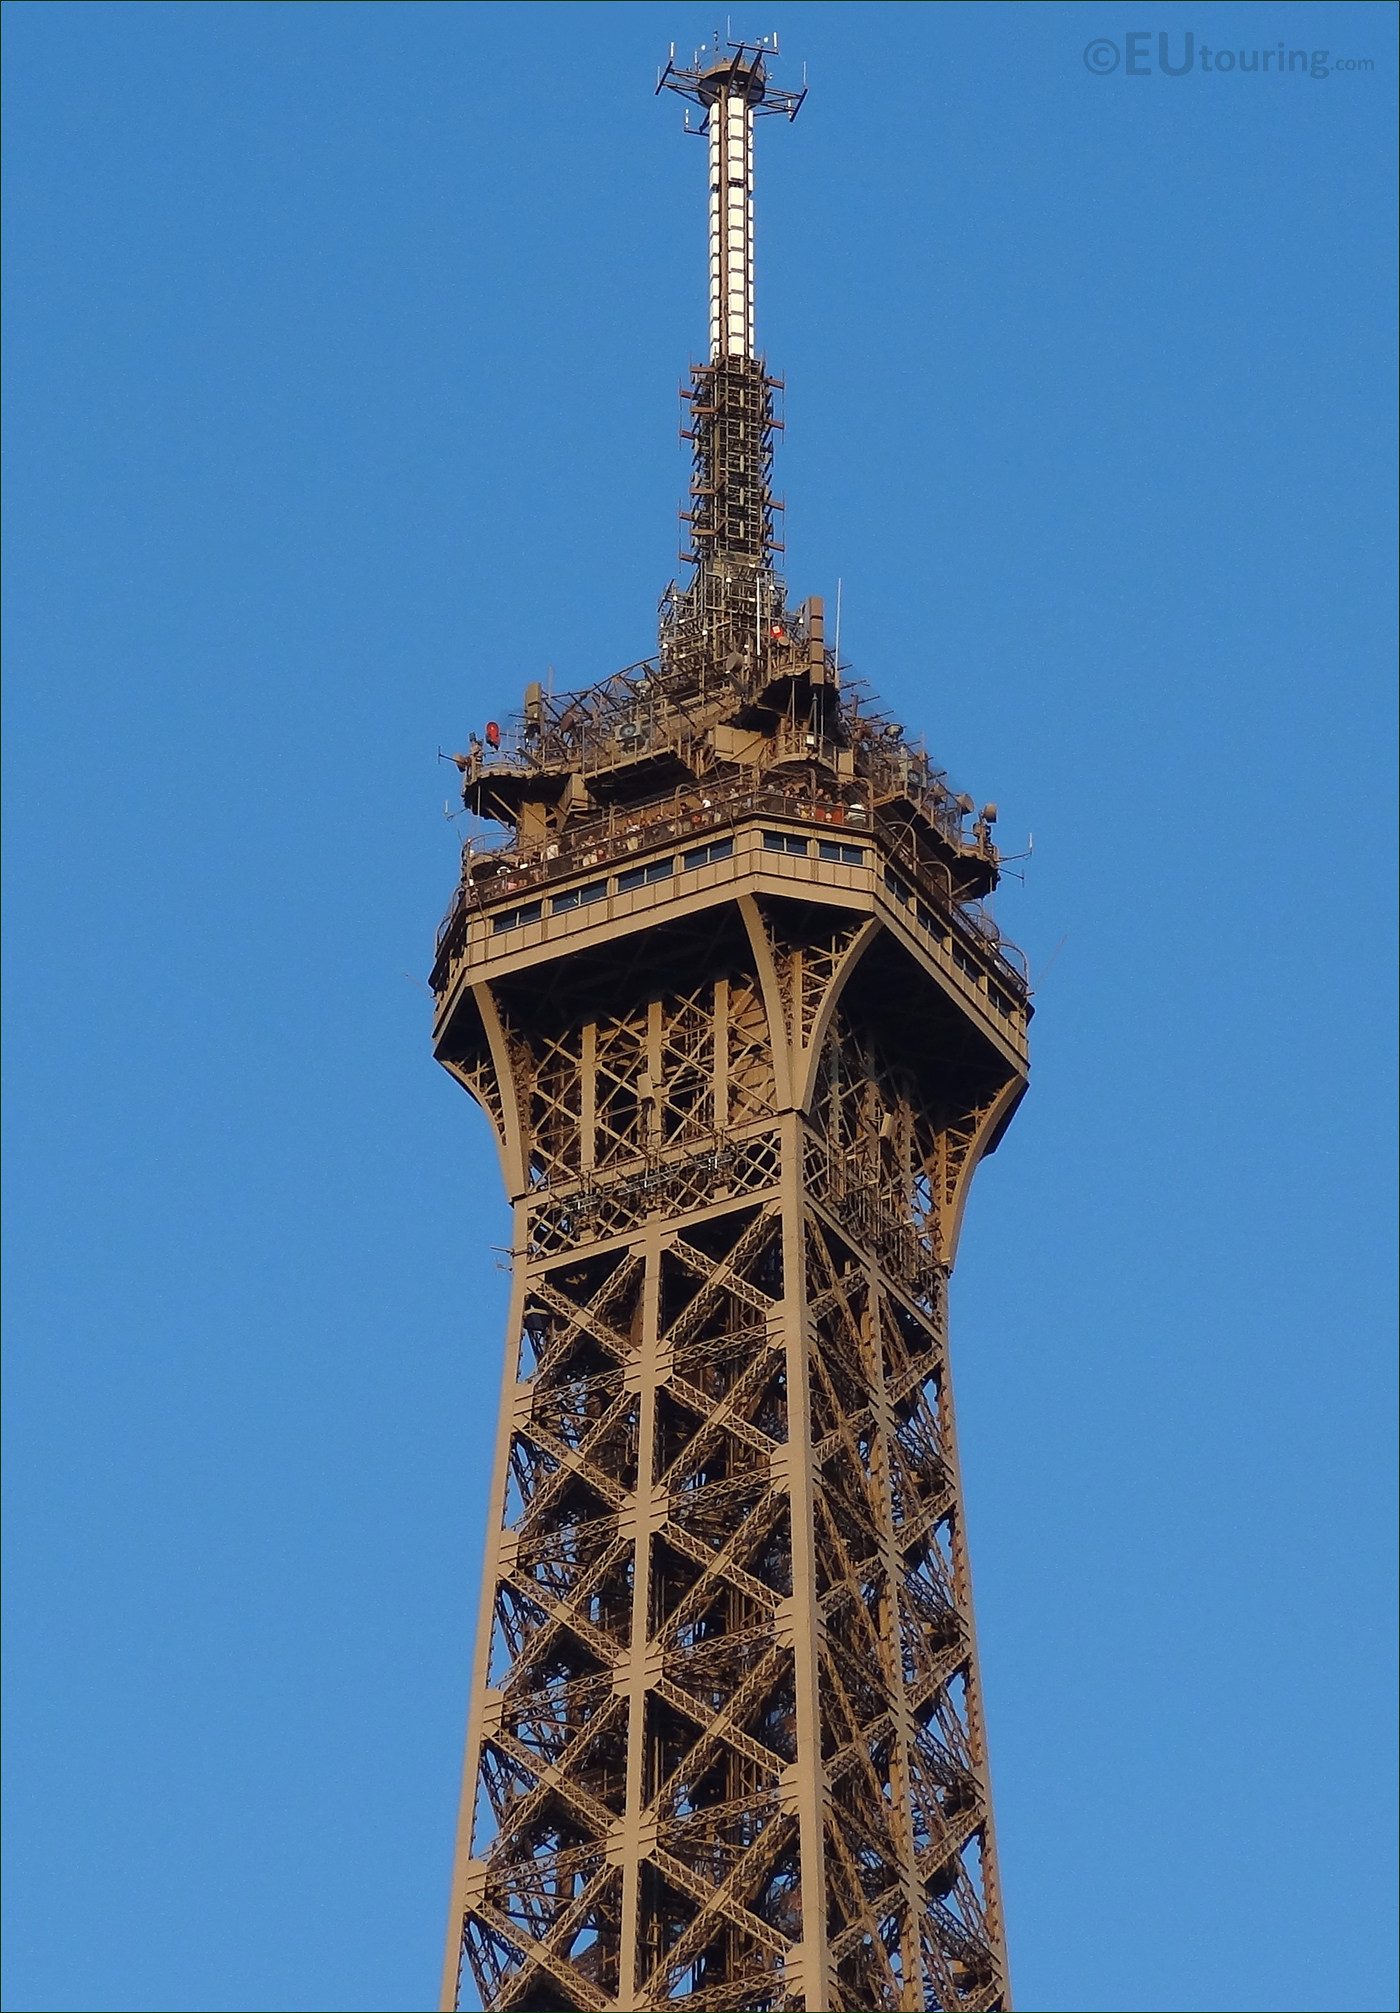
(727, 995)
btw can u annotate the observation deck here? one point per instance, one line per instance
(630, 800)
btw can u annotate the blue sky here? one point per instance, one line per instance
(342, 353)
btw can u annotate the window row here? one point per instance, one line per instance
(633, 877)
(827, 849)
(723, 849)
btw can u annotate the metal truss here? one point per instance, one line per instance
(726, 1747)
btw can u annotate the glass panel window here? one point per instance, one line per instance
(638, 877)
(704, 856)
(577, 897)
(530, 912)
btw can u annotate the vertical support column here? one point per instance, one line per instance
(630, 1842)
(976, 1720)
(654, 1077)
(588, 1098)
(900, 1779)
(721, 1055)
(939, 1220)
(811, 1775)
(462, 1865)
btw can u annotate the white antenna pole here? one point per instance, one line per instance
(837, 643)
(733, 89)
(731, 225)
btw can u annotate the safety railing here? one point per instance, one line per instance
(622, 832)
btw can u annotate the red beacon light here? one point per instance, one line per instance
(493, 734)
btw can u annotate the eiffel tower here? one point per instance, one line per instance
(724, 986)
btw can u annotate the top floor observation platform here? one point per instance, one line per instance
(620, 802)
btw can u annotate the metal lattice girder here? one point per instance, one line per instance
(726, 1746)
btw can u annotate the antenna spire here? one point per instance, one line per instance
(724, 621)
(732, 87)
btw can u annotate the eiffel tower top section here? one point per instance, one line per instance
(743, 712)
(722, 981)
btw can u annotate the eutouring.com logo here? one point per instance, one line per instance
(1133, 57)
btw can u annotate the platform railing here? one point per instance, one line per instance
(624, 831)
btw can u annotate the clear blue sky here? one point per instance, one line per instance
(343, 345)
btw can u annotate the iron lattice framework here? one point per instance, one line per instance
(743, 1032)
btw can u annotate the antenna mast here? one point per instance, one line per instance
(731, 90)
(719, 626)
